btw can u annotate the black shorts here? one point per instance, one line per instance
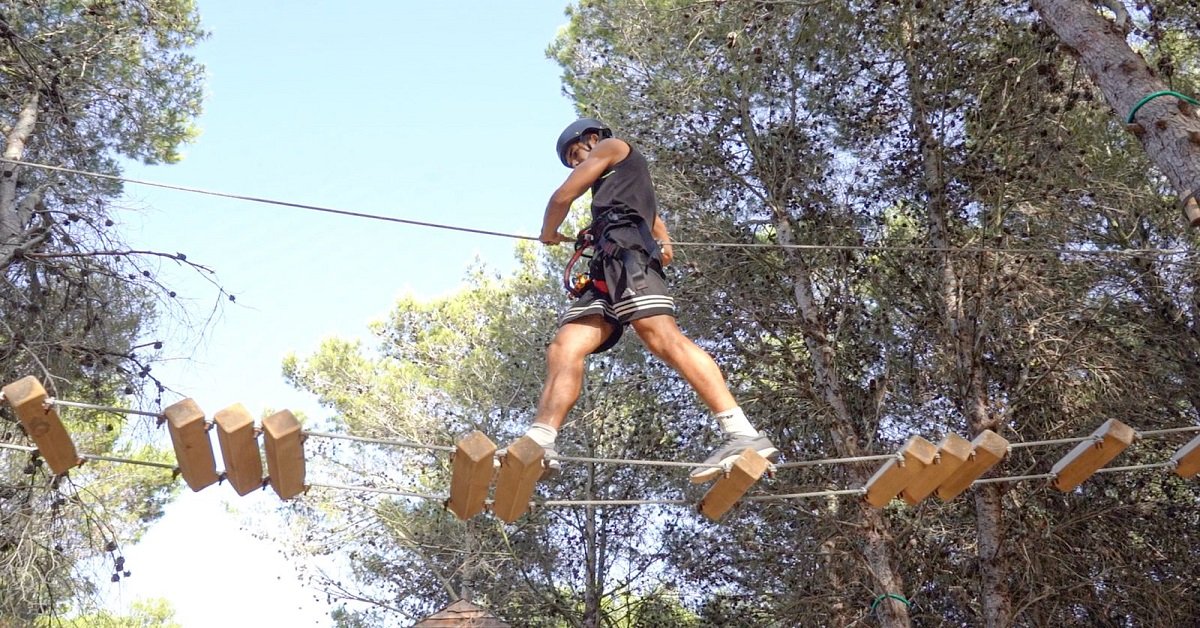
(625, 301)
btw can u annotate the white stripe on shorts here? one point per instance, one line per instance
(595, 307)
(636, 304)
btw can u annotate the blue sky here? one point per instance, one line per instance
(435, 111)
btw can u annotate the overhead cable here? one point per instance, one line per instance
(98, 457)
(267, 201)
(742, 245)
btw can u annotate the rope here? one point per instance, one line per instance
(144, 463)
(89, 406)
(653, 463)
(378, 441)
(743, 245)
(790, 496)
(373, 489)
(1170, 430)
(1149, 97)
(824, 461)
(603, 502)
(551, 503)
(781, 466)
(98, 457)
(1053, 441)
(1138, 467)
(267, 201)
(935, 249)
(1016, 478)
(159, 415)
(636, 462)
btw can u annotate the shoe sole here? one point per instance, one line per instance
(704, 476)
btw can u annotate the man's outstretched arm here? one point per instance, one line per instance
(603, 156)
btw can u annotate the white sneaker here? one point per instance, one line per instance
(728, 452)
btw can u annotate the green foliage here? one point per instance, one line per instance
(473, 360)
(82, 83)
(118, 77)
(152, 613)
(918, 125)
(945, 157)
(658, 608)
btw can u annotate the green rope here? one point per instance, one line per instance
(890, 596)
(1133, 112)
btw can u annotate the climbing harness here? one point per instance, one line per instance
(610, 261)
(576, 283)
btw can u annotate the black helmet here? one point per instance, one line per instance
(574, 131)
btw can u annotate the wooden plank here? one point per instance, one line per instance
(987, 450)
(953, 452)
(239, 449)
(27, 398)
(283, 442)
(1109, 440)
(1187, 459)
(519, 472)
(193, 447)
(729, 488)
(474, 456)
(893, 477)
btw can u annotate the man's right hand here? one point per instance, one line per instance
(554, 237)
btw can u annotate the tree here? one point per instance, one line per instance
(474, 361)
(940, 128)
(924, 221)
(1168, 128)
(153, 613)
(83, 84)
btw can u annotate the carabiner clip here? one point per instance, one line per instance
(575, 284)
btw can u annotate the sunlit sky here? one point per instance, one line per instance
(435, 111)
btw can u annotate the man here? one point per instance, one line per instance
(627, 287)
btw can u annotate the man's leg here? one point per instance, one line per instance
(574, 341)
(664, 339)
(564, 367)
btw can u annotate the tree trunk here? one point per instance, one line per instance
(836, 583)
(591, 595)
(993, 567)
(965, 334)
(877, 540)
(12, 214)
(1167, 127)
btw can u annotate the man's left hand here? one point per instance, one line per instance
(666, 252)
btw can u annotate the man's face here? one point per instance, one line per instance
(579, 151)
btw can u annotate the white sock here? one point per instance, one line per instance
(733, 422)
(542, 434)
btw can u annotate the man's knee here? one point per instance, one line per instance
(563, 350)
(574, 341)
(658, 333)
